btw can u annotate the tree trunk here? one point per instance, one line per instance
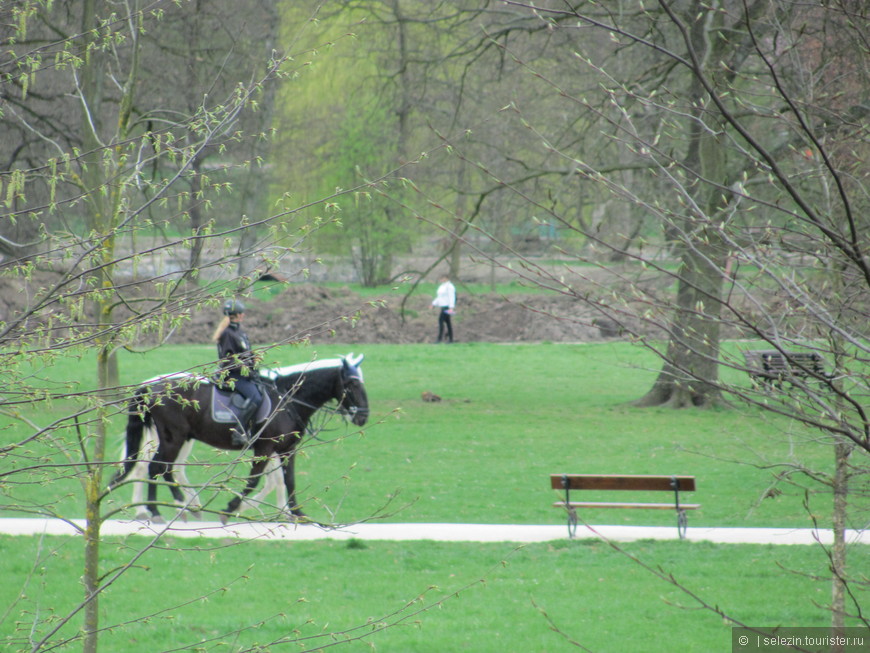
(101, 162)
(93, 523)
(92, 93)
(691, 372)
(194, 213)
(842, 451)
(459, 226)
(255, 185)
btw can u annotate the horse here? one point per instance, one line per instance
(184, 407)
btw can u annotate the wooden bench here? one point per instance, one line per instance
(772, 367)
(644, 483)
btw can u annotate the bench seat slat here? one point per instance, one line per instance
(605, 504)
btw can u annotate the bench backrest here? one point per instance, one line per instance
(774, 361)
(810, 360)
(617, 482)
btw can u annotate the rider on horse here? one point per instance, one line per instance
(238, 363)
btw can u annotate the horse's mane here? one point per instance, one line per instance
(310, 366)
(270, 374)
(177, 376)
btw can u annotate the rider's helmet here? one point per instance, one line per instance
(233, 307)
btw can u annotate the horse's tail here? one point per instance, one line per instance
(138, 419)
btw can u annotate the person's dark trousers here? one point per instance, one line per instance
(249, 390)
(253, 398)
(445, 324)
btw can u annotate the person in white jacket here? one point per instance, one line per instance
(445, 299)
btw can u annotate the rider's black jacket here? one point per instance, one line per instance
(234, 351)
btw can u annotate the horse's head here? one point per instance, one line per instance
(353, 401)
(306, 387)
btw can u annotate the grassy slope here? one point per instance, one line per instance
(597, 596)
(510, 416)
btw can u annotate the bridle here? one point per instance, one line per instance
(348, 376)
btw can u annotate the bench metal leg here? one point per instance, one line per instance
(572, 513)
(682, 523)
(572, 523)
(682, 519)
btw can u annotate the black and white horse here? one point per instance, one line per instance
(183, 407)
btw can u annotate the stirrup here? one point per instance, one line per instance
(239, 437)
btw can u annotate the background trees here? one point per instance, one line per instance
(121, 122)
(710, 159)
(718, 148)
(726, 116)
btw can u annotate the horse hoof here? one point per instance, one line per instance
(224, 518)
(157, 519)
(196, 515)
(143, 516)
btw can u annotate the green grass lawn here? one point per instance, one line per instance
(437, 596)
(513, 415)
(510, 416)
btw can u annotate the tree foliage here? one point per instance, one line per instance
(710, 158)
(730, 138)
(126, 128)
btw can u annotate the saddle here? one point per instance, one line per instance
(226, 406)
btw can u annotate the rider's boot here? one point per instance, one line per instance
(241, 437)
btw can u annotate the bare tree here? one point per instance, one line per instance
(744, 125)
(101, 152)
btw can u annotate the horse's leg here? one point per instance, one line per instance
(169, 478)
(155, 468)
(138, 418)
(139, 473)
(180, 485)
(274, 482)
(161, 469)
(138, 476)
(161, 466)
(253, 479)
(289, 462)
(190, 501)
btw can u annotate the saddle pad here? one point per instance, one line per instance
(222, 409)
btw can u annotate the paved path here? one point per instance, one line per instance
(435, 532)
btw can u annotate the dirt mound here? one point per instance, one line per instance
(292, 312)
(322, 315)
